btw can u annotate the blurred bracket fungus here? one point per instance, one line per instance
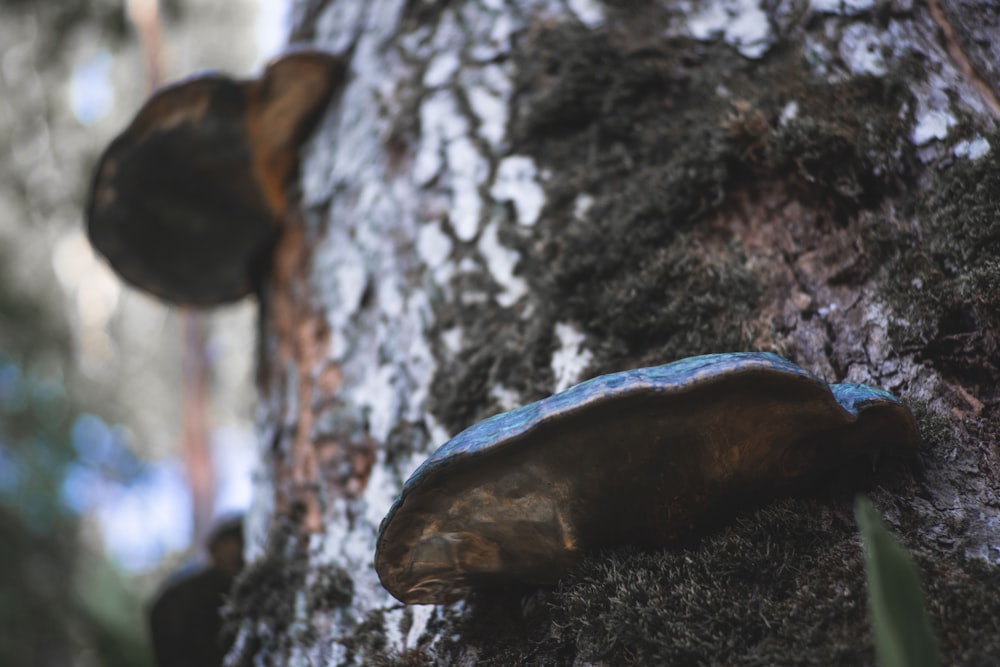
(185, 620)
(188, 201)
(644, 457)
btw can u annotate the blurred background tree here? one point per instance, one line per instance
(94, 505)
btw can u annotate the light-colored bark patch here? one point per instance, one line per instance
(571, 360)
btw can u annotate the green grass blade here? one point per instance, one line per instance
(900, 625)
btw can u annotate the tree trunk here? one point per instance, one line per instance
(509, 198)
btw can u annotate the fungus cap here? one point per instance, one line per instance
(187, 201)
(644, 456)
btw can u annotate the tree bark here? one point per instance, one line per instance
(509, 198)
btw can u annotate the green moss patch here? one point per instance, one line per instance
(941, 271)
(644, 142)
(740, 597)
(783, 585)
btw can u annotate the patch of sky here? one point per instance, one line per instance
(142, 522)
(92, 439)
(10, 471)
(272, 27)
(143, 510)
(233, 461)
(81, 488)
(103, 447)
(12, 398)
(91, 92)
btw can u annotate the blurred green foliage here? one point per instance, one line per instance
(60, 602)
(900, 625)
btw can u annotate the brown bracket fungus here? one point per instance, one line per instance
(185, 620)
(187, 202)
(638, 457)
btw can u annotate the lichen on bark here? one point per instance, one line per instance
(511, 197)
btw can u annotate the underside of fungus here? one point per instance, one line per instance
(641, 457)
(187, 201)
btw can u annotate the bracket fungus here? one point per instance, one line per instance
(188, 200)
(641, 457)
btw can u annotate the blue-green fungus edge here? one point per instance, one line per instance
(489, 437)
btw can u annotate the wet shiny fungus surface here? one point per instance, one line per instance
(638, 457)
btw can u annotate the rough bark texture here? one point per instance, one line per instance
(508, 198)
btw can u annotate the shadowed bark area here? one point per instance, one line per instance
(509, 198)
